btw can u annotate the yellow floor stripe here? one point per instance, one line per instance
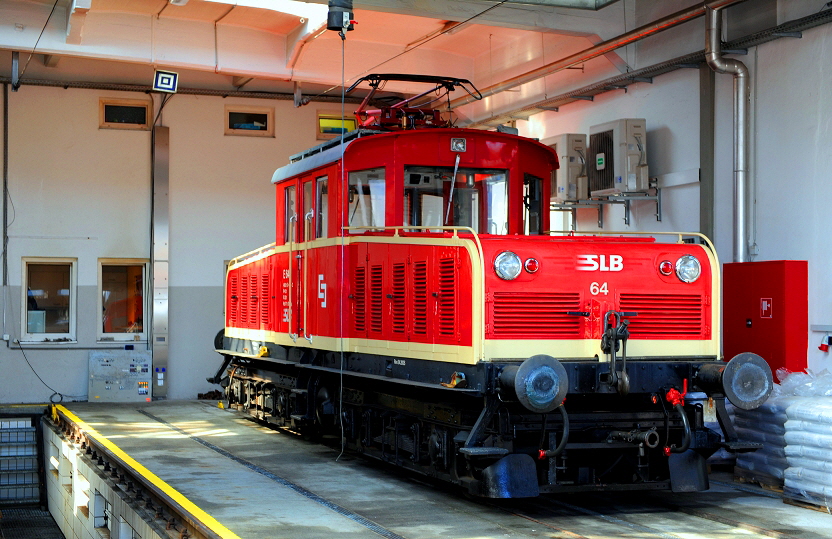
(189, 506)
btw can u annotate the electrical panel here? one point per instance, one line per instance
(618, 157)
(765, 311)
(120, 376)
(569, 182)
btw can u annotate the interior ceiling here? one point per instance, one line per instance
(269, 45)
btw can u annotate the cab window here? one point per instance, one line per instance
(366, 199)
(322, 207)
(474, 198)
(290, 216)
(532, 203)
(308, 214)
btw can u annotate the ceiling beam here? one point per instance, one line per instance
(76, 15)
(548, 17)
(297, 39)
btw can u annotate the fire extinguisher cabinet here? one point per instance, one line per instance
(766, 311)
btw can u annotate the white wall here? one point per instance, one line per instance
(792, 130)
(793, 81)
(671, 108)
(72, 481)
(83, 192)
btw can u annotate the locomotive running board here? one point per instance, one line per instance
(411, 383)
(229, 353)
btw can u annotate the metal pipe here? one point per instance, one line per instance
(598, 50)
(118, 87)
(649, 437)
(713, 55)
(564, 438)
(5, 203)
(687, 434)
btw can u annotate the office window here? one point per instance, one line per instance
(121, 287)
(123, 114)
(332, 124)
(249, 121)
(49, 299)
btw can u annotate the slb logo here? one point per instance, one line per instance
(600, 263)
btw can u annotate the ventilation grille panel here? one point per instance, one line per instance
(665, 315)
(359, 287)
(536, 315)
(600, 179)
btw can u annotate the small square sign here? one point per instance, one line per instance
(765, 308)
(165, 81)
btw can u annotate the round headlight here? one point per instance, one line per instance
(688, 269)
(507, 265)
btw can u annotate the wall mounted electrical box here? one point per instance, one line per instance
(120, 376)
(569, 182)
(765, 311)
(618, 157)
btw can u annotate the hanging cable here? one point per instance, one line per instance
(343, 251)
(15, 87)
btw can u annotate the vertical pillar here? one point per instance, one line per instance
(160, 221)
(707, 80)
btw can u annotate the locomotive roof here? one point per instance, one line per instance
(322, 154)
(331, 150)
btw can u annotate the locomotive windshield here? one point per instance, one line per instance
(476, 198)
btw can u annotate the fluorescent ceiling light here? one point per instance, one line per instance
(291, 7)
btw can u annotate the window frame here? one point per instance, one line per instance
(104, 101)
(103, 336)
(308, 205)
(290, 221)
(321, 207)
(248, 109)
(60, 338)
(372, 197)
(332, 115)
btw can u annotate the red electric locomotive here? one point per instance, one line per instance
(416, 307)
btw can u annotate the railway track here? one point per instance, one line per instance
(595, 516)
(398, 505)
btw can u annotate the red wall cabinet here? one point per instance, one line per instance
(765, 311)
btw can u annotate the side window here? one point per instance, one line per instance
(308, 214)
(532, 195)
(49, 301)
(322, 206)
(366, 199)
(290, 214)
(121, 292)
(496, 196)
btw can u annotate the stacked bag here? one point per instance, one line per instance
(765, 425)
(809, 440)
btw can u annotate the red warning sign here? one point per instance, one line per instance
(765, 307)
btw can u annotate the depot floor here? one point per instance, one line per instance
(263, 483)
